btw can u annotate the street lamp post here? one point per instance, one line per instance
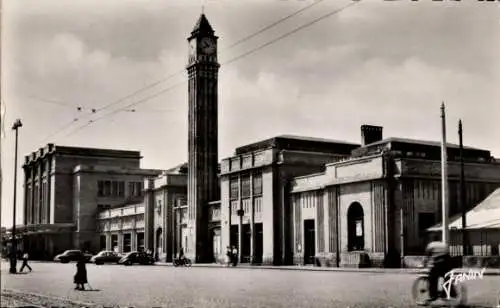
(13, 259)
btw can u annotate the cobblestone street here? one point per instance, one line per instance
(147, 286)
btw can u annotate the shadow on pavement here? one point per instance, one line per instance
(89, 290)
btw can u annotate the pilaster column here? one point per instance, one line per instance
(252, 222)
(133, 240)
(240, 221)
(31, 219)
(108, 242)
(120, 242)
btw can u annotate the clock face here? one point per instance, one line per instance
(207, 45)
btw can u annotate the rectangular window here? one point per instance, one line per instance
(127, 243)
(131, 189)
(257, 184)
(234, 189)
(100, 188)
(121, 189)
(114, 188)
(139, 188)
(245, 186)
(135, 189)
(114, 242)
(102, 241)
(140, 241)
(107, 188)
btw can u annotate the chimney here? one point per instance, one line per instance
(370, 134)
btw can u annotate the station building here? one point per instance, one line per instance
(66, 187)
(381, 200)
(283, 200)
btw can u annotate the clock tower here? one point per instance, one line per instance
(203, 185)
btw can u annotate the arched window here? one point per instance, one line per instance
(355, 227)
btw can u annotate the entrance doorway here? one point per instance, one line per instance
(309, 241)
(355, 227)
(259, 243)
(216, 241)
(245, 247)
(233, 240)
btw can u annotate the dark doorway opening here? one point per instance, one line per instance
(245, 247)
(102, 242)
(355, 227)
(309, 241)
(259, 243)
(233, 240)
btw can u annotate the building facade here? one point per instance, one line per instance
(122, 229)
(379, 203)
(166, 213)
(64, 189)
(254, 188)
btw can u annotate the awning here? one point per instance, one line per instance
(485, 215)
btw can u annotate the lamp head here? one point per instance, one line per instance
(17, 124)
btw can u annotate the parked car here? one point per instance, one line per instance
(106, 256)
(72, 255)
(137, 257)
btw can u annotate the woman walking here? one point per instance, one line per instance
(80, 278)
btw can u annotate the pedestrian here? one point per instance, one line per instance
(235, 256)
(25, 258)
(229, 257)
(80, 278)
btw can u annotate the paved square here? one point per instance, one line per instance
(154, 286)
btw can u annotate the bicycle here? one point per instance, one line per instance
(182, 262)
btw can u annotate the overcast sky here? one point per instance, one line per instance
(388, 63)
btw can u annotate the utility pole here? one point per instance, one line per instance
(444, 177)
(465, 243)
(402, 237)
(13, 260)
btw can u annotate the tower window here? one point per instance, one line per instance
(245, 186)
(234, 188)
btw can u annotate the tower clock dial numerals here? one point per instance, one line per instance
(207, 45)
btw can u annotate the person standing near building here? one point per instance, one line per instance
(229, 256)
(235, 256)
(25, 259)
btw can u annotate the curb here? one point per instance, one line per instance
(407, 271)
(411, 271)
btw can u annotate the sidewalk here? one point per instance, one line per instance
(412, 271)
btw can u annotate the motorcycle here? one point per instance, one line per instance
(420, 291)
(182, 262)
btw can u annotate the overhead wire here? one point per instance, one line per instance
(239, 57)
(168, 77)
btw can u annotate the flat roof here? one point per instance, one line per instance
(422, 142)
(81, 151)
(302, 143)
